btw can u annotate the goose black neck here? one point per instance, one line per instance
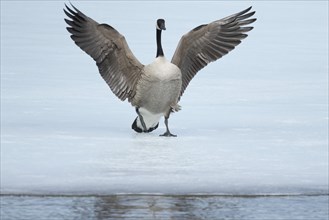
(159, 46)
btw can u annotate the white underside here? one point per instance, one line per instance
(150, 119)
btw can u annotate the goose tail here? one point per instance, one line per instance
(139, 128)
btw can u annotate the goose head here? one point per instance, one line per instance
(160, 24)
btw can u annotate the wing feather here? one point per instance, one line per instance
(116, 63)
(209, 42)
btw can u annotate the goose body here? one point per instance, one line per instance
(155, 89)
(161, 84)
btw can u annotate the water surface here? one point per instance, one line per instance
(165, 207)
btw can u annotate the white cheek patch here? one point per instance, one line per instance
(157, 26)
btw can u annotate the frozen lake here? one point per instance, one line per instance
(253, 123)
(253, 130)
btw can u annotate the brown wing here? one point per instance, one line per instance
(116, 63)
(209, 42)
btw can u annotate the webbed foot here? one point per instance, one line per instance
(168, 134)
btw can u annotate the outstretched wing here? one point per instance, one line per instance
(116, 63)
(209, 42)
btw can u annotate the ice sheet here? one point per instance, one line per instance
(254, 122)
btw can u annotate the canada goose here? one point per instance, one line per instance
(155, 89)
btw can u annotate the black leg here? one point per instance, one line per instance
(167, 133)
(141, 119)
